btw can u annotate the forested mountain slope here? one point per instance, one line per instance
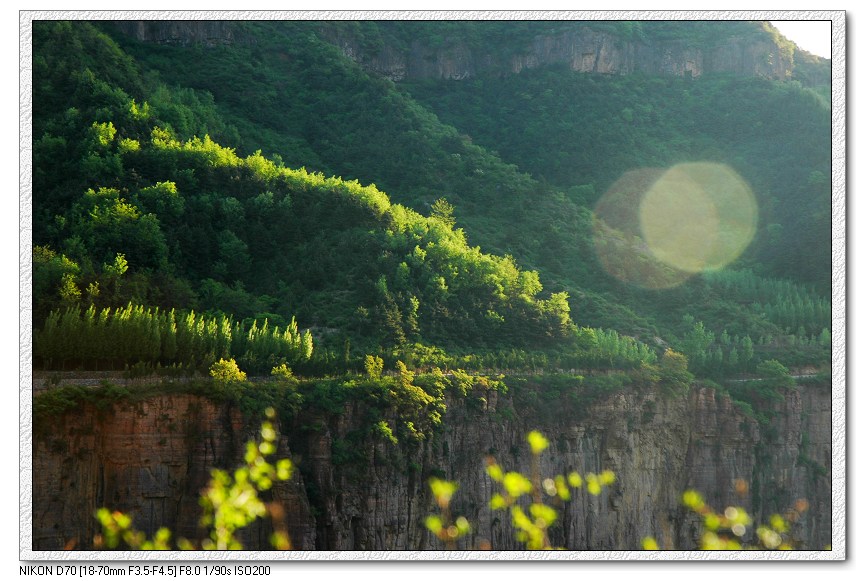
(130, 157)
(422, 241)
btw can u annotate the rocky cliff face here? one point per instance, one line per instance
(151, 459)
(182, 32)
(581, 48)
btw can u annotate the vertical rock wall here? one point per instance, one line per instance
(582, 49)
(152, 458)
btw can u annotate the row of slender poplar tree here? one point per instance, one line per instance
(113, 338)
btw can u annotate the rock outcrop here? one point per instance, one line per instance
(151, 458)
(581, 48)
(182, 32)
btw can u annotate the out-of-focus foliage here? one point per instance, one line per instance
(730, 529)
(532, 501)
(534, 505)
(230, 503)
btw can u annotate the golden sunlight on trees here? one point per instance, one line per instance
(226, 371)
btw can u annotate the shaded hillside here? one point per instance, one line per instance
(575, 130)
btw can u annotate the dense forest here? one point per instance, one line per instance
(165, 177)
(263, 192)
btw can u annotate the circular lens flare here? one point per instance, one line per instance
(618, 240)
(698, 216)
(656, 228)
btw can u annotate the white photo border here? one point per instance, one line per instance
(839, 281)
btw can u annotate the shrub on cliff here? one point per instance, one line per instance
(674, 374)
(226, 371)
(774, 373)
